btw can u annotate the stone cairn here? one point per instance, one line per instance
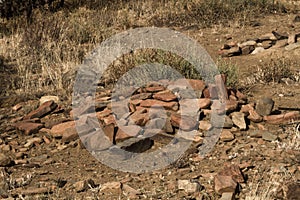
(140, 116)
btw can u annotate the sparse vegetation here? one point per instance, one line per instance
(273, 72)
(53, 41)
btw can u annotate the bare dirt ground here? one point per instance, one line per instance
(270, 168)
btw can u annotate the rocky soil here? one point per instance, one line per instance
(254, 156)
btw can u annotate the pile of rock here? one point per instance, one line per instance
(159, 108)
(272, 40)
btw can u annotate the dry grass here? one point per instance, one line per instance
(43, 49)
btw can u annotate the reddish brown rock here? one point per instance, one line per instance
(233, 171)
(105, 113)
(43, 110)
(240, 96)
(125, 132)
(204, 103)
(32, 191)
(135, 102)
(197, 85)
(82, 186)
(140, 117)
(246, 109)
(28, 127)
(238, 119)
(205, 125)
(110, 120)
(254, 116)
(184, 122)
(157, 88)
(282, 118)
(234, 51)
(60, 129)
(156, 103)
(166, 95)
(69, 136)
(231, 106)
(141, 96)
(111, 187)
(224, 184)
(226, 135)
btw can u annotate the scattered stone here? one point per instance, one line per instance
(32, 191)
(125, 132)
(141, 96)
(279, 36)
(247, 43)
(254, 116)
(64, 128)
(226, 136)
(267, 44)
(166, 95)
(4, 160)
(280, 44)
(293, 46)
(238, 119)
(247, 49)
(256, 133)
(157, 88)
(267, 136)
(139, 118)
(264, 106)
(246, 109)
(268, 36)
(17, 107)
(197, 85)
(28, 128)
(136, 145)
(109, 131)
(184, 122)
(205, 125)
(105, 113)
(257, 50)
(189, 186)
(232, 171)
(69, 136)
(109, 186)
(231, 106)
(96, 140)
(130, 192)
(43, 110)
(224, 184)
(156, 103)
(82, 186)
(292, 38)
(227, 196)
(282, 118)
(33, 141)
(227, 122)
(234, 51)
(44, 99)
